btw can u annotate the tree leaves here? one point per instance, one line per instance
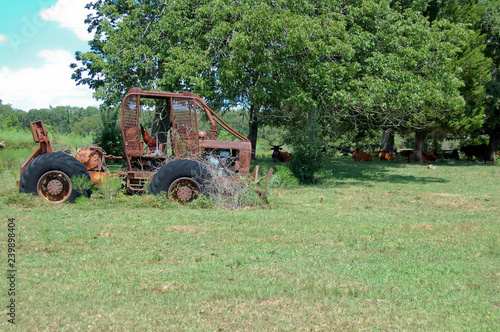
(371, 63)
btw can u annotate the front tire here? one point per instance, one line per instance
(50, 176)
(181, 180)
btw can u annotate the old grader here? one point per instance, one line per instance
(167, 160)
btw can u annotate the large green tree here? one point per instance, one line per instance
(491, 27)
(284, 59)
(403, 77)
(10, 117)
(262, 56)
(124, 50)
(475, 59)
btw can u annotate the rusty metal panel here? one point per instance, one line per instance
(39, 136)
(130, 126)
(97, 177)
(243, 156)
(92, 158)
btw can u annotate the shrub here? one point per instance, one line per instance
(110, 138)
(307, 155)
(82, 184)
(282, 177)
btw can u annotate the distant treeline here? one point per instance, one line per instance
(88, 121)
(60, 119)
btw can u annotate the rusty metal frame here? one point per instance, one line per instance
(137, 177)
(242, 164)
(39, 136)
(192, 104)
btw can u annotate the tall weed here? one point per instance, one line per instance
(225, 187)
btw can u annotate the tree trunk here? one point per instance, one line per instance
(253, 127)
(494, 143)
(419, 145)
(387, 141)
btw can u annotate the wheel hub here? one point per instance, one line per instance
(54, 187)
(184, 194)
(184, 190)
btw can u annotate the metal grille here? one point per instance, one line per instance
(131, 136)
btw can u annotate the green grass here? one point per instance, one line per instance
(373, 246)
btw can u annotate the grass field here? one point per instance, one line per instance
(373, 246)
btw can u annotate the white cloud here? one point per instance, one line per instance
(71, 14)
(3, 38)
(50, 85)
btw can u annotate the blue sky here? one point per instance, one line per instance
(38, 40)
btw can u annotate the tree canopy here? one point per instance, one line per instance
(403, 65)
(491, 28)
(404, 79)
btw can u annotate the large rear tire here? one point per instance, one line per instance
(181, 180)
(50, 176)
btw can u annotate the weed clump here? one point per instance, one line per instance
(110, 187)
(225, 188)
(283, 177)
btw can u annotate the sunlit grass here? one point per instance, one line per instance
(373, 246)
(16, 135)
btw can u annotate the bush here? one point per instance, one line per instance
(82, 184)
(307, 155)
(110, 138)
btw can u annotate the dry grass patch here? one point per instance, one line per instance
(183, 229)
(420, 226)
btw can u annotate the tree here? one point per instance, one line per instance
(110, 138)
(387, 141)
(124, 50)
(9, 117)
(404, 79)
(61, 118)
(491, 27)
(476, 61)
(290, 63)
(91, 125)
(285, 58)
(247, 54)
